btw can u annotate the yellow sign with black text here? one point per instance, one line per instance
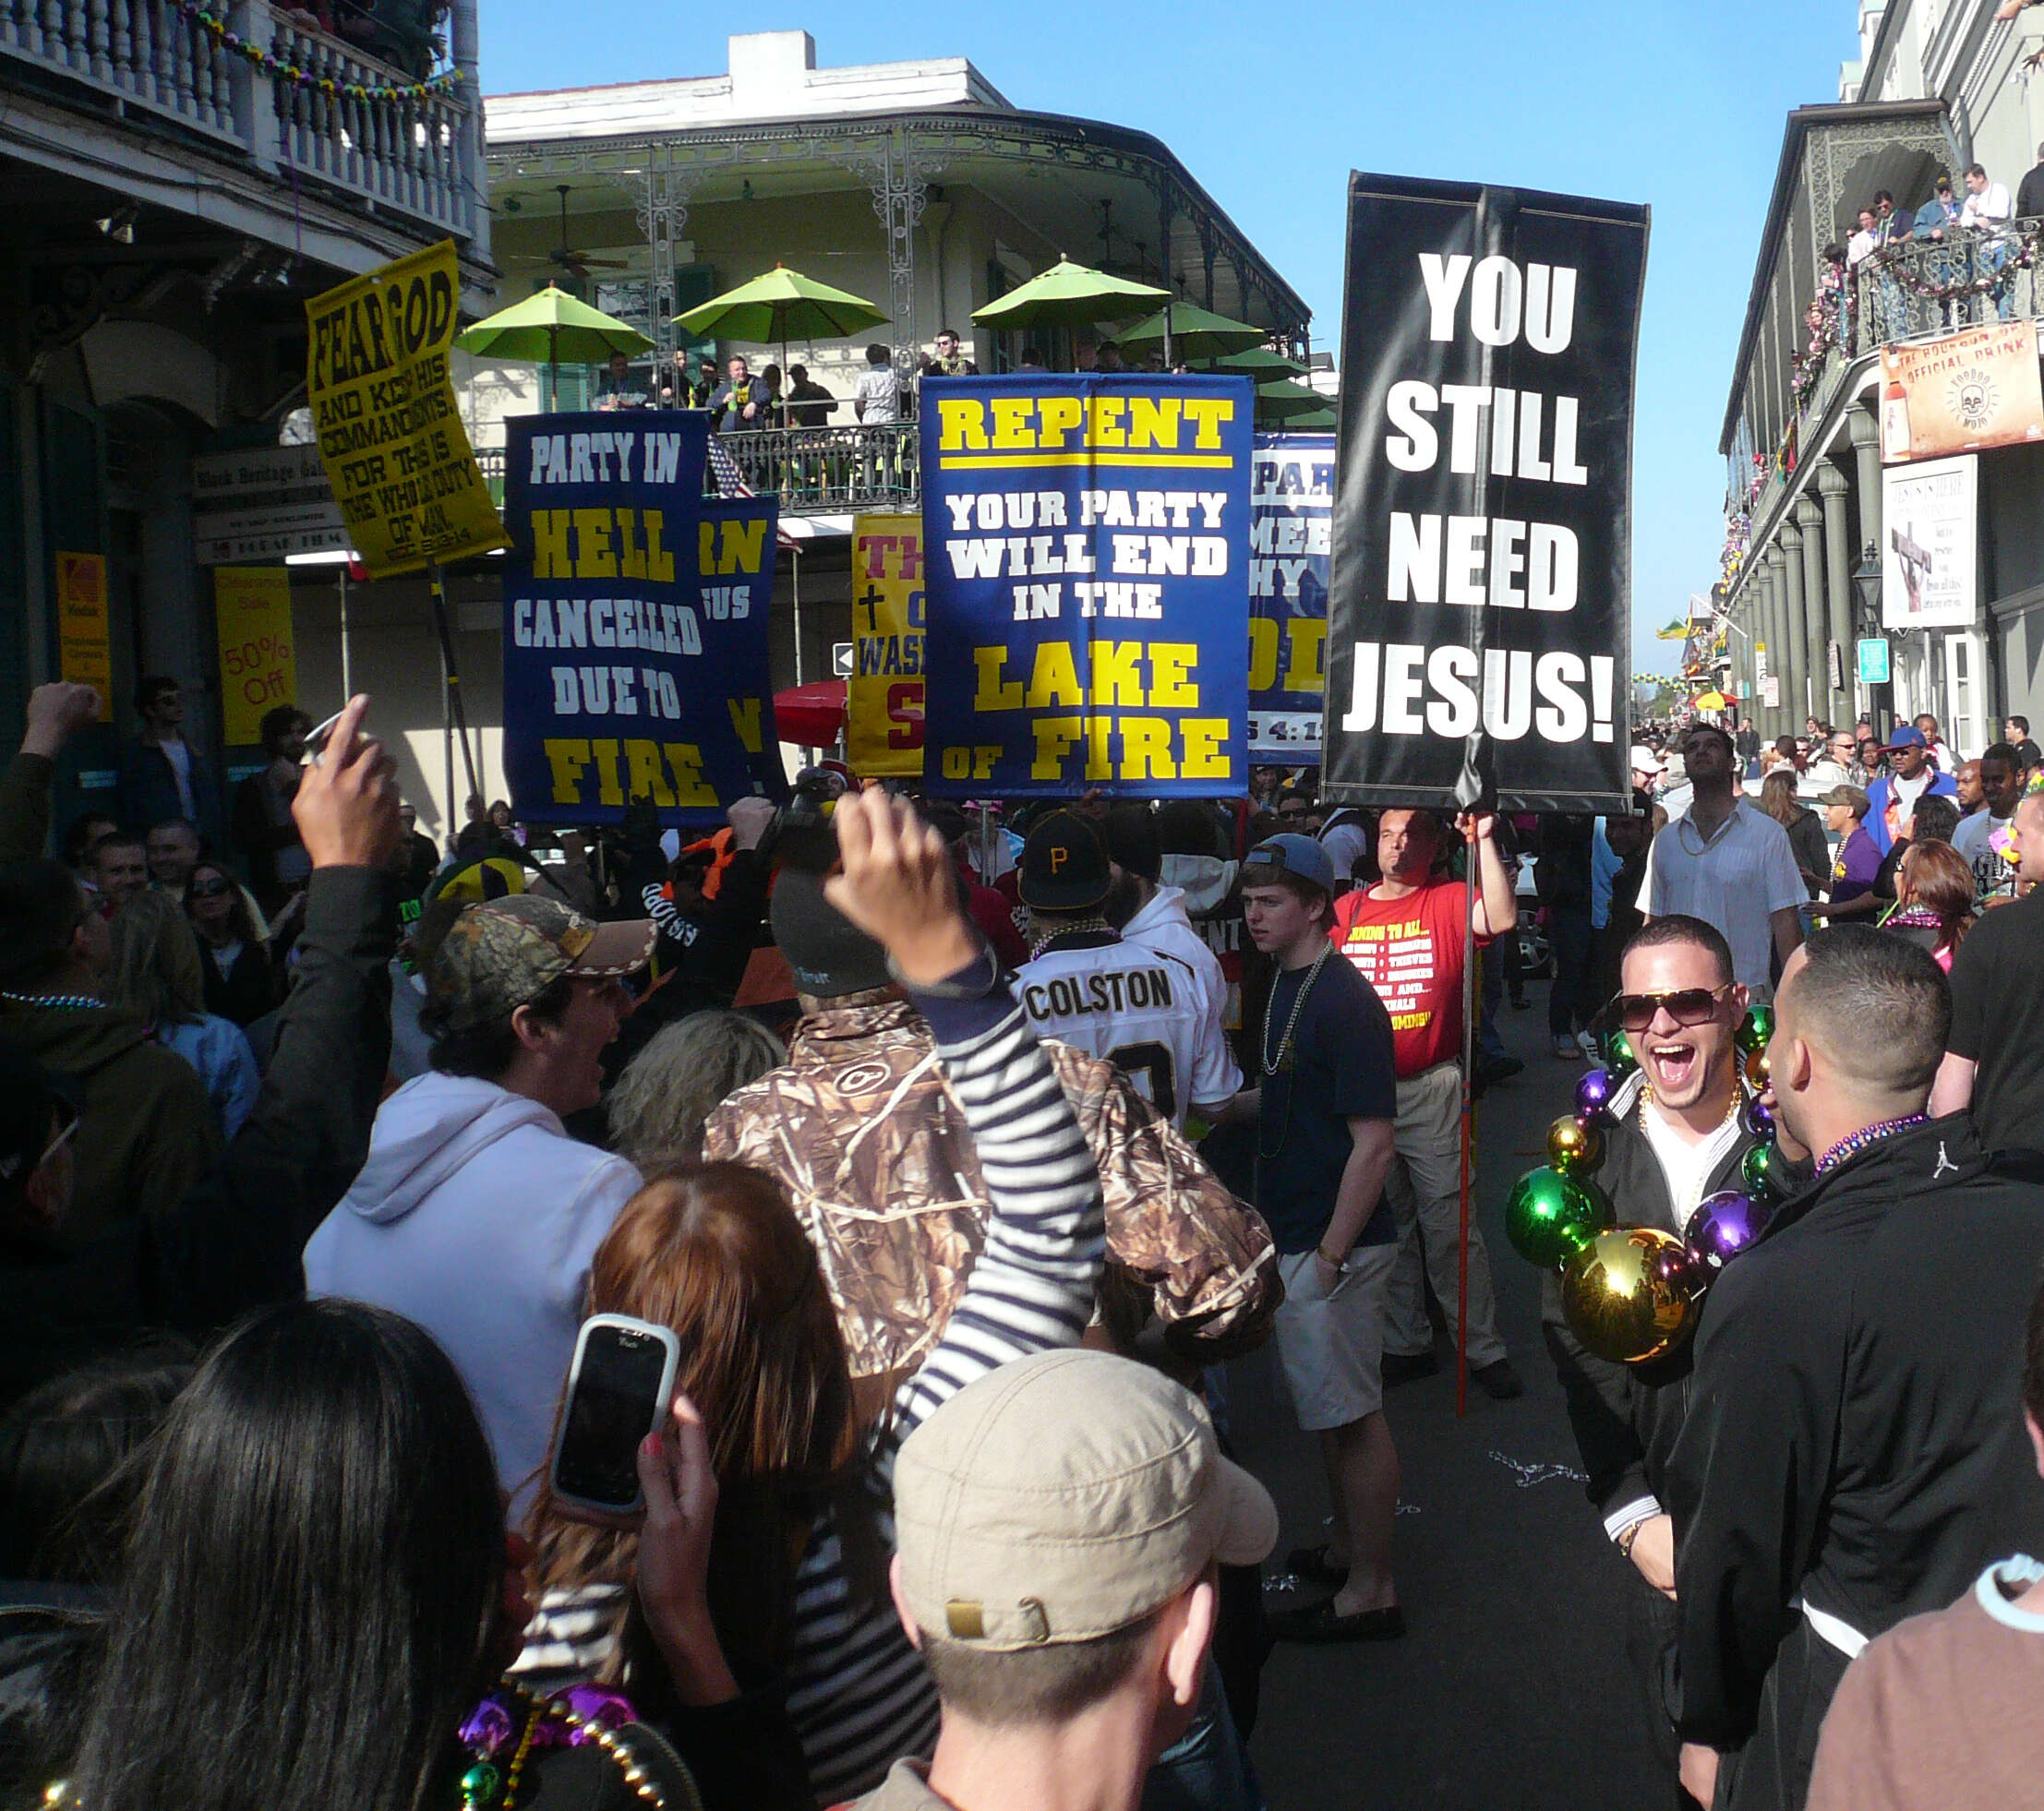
(383, 409)
(884, 705)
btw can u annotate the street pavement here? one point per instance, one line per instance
(1509, 1691)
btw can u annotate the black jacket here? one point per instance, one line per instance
(1854, 1434)
(1626, 1417)
(232, 1242)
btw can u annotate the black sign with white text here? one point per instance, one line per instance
(1479, 617)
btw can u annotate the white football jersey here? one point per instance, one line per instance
(1140, 1009)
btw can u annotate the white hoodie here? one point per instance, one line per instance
(476, 1216)
(1163, 926)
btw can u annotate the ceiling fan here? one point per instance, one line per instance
(579, 263)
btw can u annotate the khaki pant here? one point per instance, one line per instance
(1424, 1186)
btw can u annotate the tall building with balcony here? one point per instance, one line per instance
(1938, 87)
(180, 178)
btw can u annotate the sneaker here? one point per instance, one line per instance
(1499, 1380)
(1589, 1043)
(1567, 1049)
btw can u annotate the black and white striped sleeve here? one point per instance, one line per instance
(1032, 1288)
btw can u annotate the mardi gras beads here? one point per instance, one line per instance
(1548, 1216)
(1630, 1294)
(1723, 1226)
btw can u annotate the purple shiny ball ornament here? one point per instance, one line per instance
(1575, 1147)
(1758, 1117)
(1593, 1093)
(1630, 1294)
(1723, 1226)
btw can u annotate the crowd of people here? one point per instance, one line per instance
(742, 400)
(959, 1154)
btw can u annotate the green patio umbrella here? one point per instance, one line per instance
(1261, 363)
(1283, 399)
(548, 328)
(1313, 420)
(783, 305)
(1069, 294)
(1194, 332)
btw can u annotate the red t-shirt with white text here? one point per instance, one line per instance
(1410, 950)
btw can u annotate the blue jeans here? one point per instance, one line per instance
(1206, 1769)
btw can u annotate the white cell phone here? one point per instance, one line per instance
(619, 1389)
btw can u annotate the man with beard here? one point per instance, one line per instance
(1144, 1011)
(1911, 777)
(1675, 1137)
(1854, 1451)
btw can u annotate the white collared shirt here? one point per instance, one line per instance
(1736, 881)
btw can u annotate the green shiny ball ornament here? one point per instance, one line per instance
(1574, 1148)
(1758, 1070)
(1755, 1029)
(481, 1786)
(1630, 1294)
(1549, 1216)
(1765, 1172)
(1618, 1057)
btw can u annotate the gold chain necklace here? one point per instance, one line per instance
(1281, 1060)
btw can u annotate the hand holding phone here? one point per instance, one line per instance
(619, 1390)
(679, 1487)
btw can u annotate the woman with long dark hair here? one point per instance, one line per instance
(803, 1529)
(1934, 904)
(1806, 831)
(315, 1597)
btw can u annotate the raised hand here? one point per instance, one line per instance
(896, 886)
(346, 804)
(56, 712)
(679, 1487)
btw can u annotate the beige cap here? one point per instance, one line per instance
(1065, 1496)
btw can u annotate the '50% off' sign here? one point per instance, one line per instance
(257, 669)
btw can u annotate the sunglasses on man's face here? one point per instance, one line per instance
(210, 889)
(1686, 1006)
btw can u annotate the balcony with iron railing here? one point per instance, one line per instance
(302, 107)
(1920, 289)
(812, 470)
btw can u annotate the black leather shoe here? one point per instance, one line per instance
(1497, 1381)
(1313, 1563)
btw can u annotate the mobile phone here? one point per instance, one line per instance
(316, 739)
(619, 1388)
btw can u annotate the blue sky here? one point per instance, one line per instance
(1679, 105)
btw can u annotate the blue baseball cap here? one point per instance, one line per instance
(1300, 856)
(1906, 735)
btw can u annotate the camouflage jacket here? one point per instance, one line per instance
(863, 1133)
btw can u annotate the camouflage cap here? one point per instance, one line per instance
(502, 952)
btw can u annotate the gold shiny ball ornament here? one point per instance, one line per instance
(1757, 1070)
(1630, 1294)
(1573, 1148)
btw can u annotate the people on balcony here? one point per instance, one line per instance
(1895, 225)
(1938, 218)
(809, 403)
(2029, 192)
(1987, 206)
(743, 404)
(620, 386)
(948, 361)
(1860, 248)
(878, 397)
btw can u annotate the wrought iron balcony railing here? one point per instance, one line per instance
(410, 154)
(813, 471)
(1927, 286)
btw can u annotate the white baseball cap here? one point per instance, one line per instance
(1644, 760)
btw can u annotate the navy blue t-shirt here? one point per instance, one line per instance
(1341, 1068)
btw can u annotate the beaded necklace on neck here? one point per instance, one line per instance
(1273, 1063)
(1094, 924)
(1853, 1142)
(70, 1002)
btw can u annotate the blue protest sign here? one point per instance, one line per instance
(635, 621)
(1291, 536)
(1085, 541)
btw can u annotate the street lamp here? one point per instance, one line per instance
(1865, 585)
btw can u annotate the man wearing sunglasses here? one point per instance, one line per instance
(1727, 864)
(1675, 1138)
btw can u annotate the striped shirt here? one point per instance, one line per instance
(856, 1692)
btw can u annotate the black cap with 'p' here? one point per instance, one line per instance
(1064, 866)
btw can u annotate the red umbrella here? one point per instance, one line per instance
(812, 716)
